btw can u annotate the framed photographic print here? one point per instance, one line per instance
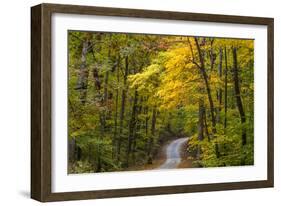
(132, 102)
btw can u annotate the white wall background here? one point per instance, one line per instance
(15, 102)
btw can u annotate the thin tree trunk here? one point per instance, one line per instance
(238, 95)
(153, 120)
(205, 77)
(225, 89)
(99, 98)
(212, 55)
(116, 111)
(145, 111)
(123, 103)
(206, 125)
(152, 135)
(82, 83)
(132, 127)
(104, 113)
(105, 93)
(201, 110)
(146, 120)
(97, 81)
(219, 90)
(82, 86)
(138, 129)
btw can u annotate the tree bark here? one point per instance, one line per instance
(225, 89)
(219, 90)
(105, 92)
(146, 118)
(123, 104)
(205, 77)
(82, 86)
(201, 111)
(212, 55)
(116, 111)
(206, 124)
(99, 98)
(238, 94)
(132, 127)
(152, 135)
(82, 83)
(137, 129)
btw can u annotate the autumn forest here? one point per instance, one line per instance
(142, 101)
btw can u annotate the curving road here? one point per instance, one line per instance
(173, 154)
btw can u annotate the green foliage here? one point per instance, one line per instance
(140, 90)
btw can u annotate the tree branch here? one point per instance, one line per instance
(192, 54)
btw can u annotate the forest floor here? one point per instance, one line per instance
(158, 160)
(186, 162)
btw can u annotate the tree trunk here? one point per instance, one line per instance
(219, 90)
(205, 77)
(132, 127)
(123, 104)
(104, 113)
(238, 95)
(212, 55)
(138, 129)
(116, 112)
(201, 111)
(82, 86)
(153, 120)
(146, 121)
(152, 135)
(146, 117)
(225, 89)
(206, 124)
(97, 80)
(82, 83)
(105, 91)
(99, 98)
